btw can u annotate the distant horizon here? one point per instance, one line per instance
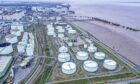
(77, 1)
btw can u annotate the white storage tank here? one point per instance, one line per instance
(6, 48)
(49, 26)
(22, 43)
(92, 48)
(70, 44)
(72, 31)
(63, 49)
(68, 27)
(61, 30)
(69, 68)
(58, 18)
(100, 55)
(90, 66)
(31, 35)
(29, 50)
(61, 35)
(32, 45)
(10, 38)
(110, 64)
(50, 29)
(51, 33)
(15, 32)
(21, 47)
(17, 25)
(58, 27)
(85, 45)
(25, 35)
(81, 55)
(64, 57)
(25, 41)
(31, 41)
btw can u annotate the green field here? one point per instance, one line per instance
(45, 75)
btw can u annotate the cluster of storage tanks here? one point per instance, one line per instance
(64, 57)
(60, 31)
(12, 38)
(26, 45)
(88, 65)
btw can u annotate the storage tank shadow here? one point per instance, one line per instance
(5, 48)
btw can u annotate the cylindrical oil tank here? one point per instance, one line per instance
(10, 38)
(72, 31)
(92, 48)
(29, 50)
(61, 35)
(70, 44)
(90, 66)
(63, 49)
(15, 32)
(85, 45)
(31, 35)
(21, 48)
(110, 64)
(100, 55)
(61, 30)
(59, 27)
(51, 33)
(68, 27)
(31, 41)
(17, 25)
(25, 41)
(25, 35)
(81, 55)
(64, 57)
(6, 48)
(68, 68)
(21, 28)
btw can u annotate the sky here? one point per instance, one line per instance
(77, 1)
(80, 1)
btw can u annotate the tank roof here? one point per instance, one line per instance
(90, 63)
(69, 65)
(10, 36)
(110, 62)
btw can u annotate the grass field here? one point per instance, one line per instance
(42, 79)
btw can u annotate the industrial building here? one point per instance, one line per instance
(6, 48)
(5, 62)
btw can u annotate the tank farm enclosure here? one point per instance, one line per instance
(78, 57)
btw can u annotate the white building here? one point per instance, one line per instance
(5, 62)
(6, 48)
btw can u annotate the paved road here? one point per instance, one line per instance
(126, 82)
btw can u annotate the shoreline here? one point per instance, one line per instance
(118, 41)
